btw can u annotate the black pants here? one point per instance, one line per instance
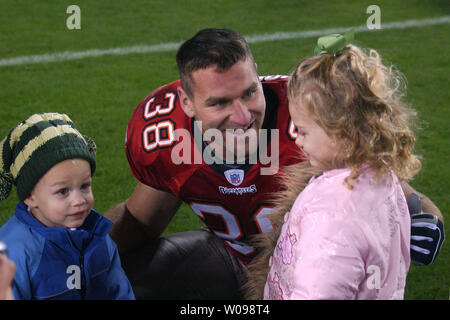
(187, 265)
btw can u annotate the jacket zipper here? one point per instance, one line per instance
(83, 278)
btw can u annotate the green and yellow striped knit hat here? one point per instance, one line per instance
(34, 146)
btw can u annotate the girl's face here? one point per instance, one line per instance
(318, 147)
(63, 196)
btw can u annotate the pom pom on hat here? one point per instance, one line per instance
(6, 183)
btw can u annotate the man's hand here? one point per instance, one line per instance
(427, 233)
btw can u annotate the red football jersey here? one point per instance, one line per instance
(164, 152)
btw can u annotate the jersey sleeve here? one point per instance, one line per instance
(150, 139)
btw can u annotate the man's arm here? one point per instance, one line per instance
(141, 218)
(427, 228)
(427, 205)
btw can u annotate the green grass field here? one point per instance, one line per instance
(99, 93)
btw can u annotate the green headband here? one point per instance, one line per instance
(333, 43)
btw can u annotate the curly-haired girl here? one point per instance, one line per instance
(347, 235)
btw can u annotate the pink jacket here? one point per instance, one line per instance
(338, 243)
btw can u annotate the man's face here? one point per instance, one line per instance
(231, 101)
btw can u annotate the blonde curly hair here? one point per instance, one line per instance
(358, 100)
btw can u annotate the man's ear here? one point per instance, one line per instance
(185, 102)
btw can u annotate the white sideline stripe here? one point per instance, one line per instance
(170, 46)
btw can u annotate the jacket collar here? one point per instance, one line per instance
(94, 225)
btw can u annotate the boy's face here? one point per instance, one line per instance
(63, 196)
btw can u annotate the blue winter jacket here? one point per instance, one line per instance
(58, 263)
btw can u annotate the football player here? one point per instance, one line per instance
(214, 139)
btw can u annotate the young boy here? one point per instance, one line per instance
(60, 245)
